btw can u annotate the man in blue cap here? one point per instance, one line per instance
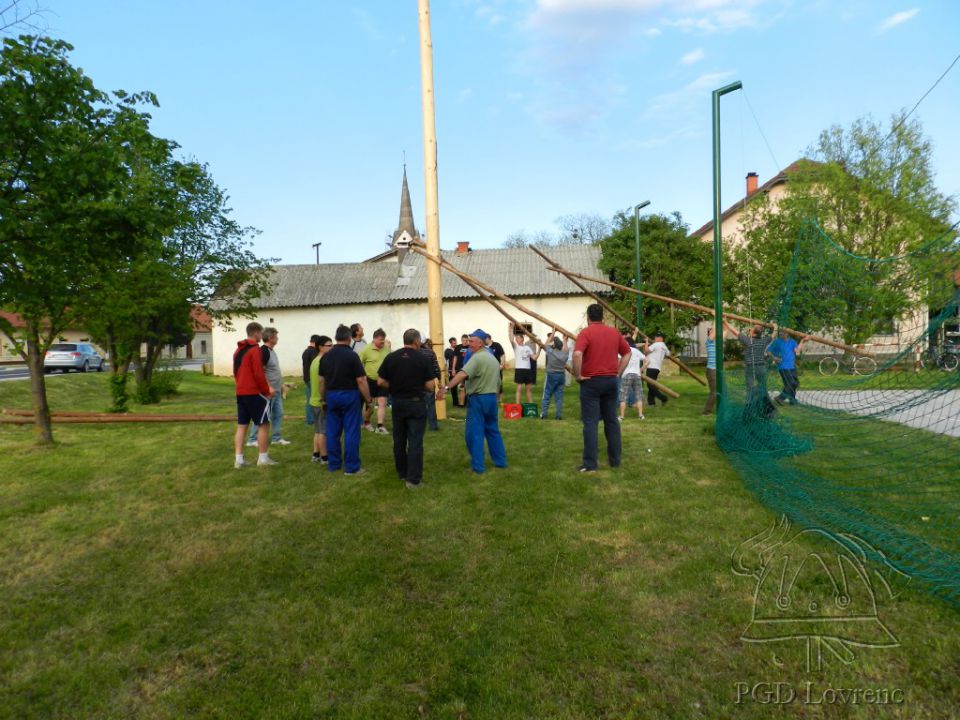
(482, 376)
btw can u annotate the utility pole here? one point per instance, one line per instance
(316, 246)
(434, 294)
(636, 268)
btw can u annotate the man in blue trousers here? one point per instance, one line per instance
(482, 376)
(345, 383)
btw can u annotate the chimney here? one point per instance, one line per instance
(751, 183)
(463, 247)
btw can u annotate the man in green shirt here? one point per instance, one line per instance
(482, 376)
(372, 357)
(318, 402)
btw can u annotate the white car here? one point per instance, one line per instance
(81, 357)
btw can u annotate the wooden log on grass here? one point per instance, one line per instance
(636, 331)
(488, 293)
(709, 311)
(23, 417)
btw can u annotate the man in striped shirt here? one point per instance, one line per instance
(711, 371)
(755, 356)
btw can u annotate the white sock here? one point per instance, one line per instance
(240, 457)
(264, 456)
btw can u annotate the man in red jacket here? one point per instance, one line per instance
(253, 392)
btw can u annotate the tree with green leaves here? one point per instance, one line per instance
(872, 192)
(200, 257)
(671, 263)
(67, 216)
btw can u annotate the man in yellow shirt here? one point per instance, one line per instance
(372, 357)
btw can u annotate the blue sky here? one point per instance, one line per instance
(304, 110)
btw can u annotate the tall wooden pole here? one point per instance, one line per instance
(434, 294)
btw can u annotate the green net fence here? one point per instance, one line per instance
(864, 441)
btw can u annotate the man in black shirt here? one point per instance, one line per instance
(345, 384)
(450, 356)
(309, 354)
(462, 350)
(406, 374)
(429, 397)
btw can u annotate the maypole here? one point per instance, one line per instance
(434, 294)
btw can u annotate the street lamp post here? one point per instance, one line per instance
(717, 240)
(636, 267)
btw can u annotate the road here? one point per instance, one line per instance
(20, 372)
(937, 412)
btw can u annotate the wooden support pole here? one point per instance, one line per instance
(637, 331)
(709, 311)
(434, 291)
(488, 293)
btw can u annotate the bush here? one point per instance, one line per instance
(164, 383)
(732, 349)
(118, 391)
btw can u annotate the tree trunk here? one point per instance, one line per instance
(150, 362)
(38, 387)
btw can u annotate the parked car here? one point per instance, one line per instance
(82, 357)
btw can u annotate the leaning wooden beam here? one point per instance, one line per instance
(709, 311)
(513, 321)
(636, 331)
(485, 291)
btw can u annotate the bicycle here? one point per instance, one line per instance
(947, 360)
(860, 365)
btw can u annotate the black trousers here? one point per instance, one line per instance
(409, 421)
(652, 392)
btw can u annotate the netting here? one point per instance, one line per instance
(864, 441)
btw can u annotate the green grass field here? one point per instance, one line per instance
(142, 576)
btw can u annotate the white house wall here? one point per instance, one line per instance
(296, 325)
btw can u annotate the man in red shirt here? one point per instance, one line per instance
(253, 392)
(599, 356)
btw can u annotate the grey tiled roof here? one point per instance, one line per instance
(517, 272)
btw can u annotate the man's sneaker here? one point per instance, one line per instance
(318, 459)
(585, 469)
(381, 430)
(412, 486)
(251, 443)
(369, 427)
(543, 417)
(641, 418)
(281, 441)
(619, 419)
(262, 462)
(239, 464)
(361, 471)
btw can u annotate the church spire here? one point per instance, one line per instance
(406, 224)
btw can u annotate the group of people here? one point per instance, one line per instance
(349, 381)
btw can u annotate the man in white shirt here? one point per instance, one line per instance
(656, 353)
(630, 380)
(522, 368)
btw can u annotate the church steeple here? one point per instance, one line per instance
(406, 224)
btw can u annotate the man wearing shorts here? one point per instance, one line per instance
(253, 395)
(372, 356)
(630, 382)
(522, 364)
